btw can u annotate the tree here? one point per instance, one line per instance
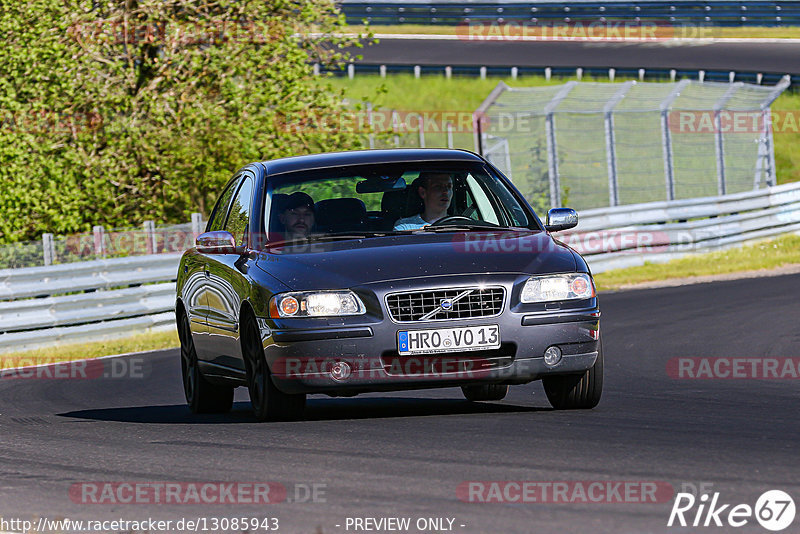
(150, 106)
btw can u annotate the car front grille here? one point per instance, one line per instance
(440, 304)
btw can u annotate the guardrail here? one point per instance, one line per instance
(626, 236)
(717, 12)
(593, 73)
(43, 306)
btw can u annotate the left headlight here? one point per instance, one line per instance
(315, 304)
(558, 287)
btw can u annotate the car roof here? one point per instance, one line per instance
(366, 157)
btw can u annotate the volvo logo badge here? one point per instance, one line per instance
(446, 304)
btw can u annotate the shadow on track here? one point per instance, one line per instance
(316, 410)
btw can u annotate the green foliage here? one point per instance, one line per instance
(118, 112)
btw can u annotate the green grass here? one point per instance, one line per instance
(758, 32)
(79, 351)
(760, 256)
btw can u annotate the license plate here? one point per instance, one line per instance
(448, 339)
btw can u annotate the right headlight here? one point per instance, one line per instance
(554, 287)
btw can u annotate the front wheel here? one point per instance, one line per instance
(201, 395)
(577, 392)
(269, 403)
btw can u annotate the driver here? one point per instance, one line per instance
(436, 191)
(298, 215)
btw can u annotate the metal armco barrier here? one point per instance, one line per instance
(132, 295)
(717, 12)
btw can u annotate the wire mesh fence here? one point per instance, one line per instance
(101, 243)
(594, 145)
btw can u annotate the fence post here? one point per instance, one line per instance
(371, 136)
(666, 138)
(719, 146)
(99, 234)
(611, 145)
(422, 131)
(150, 237)
(448, 72)
(417, 71)
(449, 135)
(772, 178)
(48, 249)
(197, 224)
(552, 147)
(351, 71)
(382, 69)
(395, 128)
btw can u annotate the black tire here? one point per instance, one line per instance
(491, 392)
(269, 403)
(577, 392)
(201, 395)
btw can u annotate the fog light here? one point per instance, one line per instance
(340, 371)
(552, 356)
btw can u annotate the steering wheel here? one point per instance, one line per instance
(458, 219)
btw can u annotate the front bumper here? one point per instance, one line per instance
(301, 358)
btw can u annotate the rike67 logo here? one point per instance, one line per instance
(774, 510)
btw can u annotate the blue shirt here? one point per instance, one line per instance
(411, 223)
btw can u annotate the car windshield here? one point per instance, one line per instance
(371, 200)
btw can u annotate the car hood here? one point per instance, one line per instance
(358, 262)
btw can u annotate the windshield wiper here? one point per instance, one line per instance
(464, 228)
(338, 236)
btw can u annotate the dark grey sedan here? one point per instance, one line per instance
(383, 270)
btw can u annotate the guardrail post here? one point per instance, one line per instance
(48, 249)
(641, 75)
(315, 70)
(99, 234)
(448, 72)
(417, 71)
(422, 131)
(197, 224)
(483, 73)
(514, 73)
(548, 73)
(351, 71)
(449, 135)
(382, 70)
(150, 237)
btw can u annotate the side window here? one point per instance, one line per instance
(239, 217)
(221, 209)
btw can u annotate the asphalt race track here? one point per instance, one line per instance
(405, 454)
(782, 58)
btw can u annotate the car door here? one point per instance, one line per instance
(198, 302)
(227, 284)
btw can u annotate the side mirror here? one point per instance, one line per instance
(561, 219)
(217, 242)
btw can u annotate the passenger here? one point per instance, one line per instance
(436, 191)
(298, 216)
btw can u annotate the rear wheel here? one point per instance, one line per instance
(576, 392)
(491, 392)
(201, 395)
(269, 403)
